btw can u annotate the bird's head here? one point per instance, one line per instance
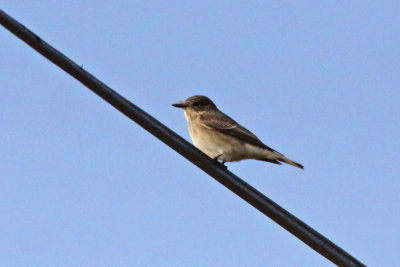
(197, 103)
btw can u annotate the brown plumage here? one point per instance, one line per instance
(221, 137)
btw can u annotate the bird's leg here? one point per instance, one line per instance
(222, 163)
(217, 157)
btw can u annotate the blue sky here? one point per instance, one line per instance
(81, 185)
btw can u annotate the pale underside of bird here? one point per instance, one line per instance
(222, 138)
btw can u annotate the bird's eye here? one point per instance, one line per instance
(196, 104)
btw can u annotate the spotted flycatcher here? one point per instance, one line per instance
(222, 138)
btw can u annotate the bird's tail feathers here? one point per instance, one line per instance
(291, 162)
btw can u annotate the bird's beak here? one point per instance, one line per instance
(179, 105)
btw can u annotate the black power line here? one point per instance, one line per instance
(255, 198)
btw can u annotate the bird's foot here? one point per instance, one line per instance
(223, 166)
(217, 157)
(222, 163)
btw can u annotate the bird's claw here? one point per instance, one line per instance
(222, 164)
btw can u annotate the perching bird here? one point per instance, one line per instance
(222, 138)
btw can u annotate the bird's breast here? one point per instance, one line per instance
(209, 141)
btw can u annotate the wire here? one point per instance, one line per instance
(255, 198)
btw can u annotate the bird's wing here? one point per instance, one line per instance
(226, 125)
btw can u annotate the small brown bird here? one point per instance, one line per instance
(222, 138)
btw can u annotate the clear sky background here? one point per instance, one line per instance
(81, 185)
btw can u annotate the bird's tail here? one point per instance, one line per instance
(291, 162)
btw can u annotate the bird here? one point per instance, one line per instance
(222, 138)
